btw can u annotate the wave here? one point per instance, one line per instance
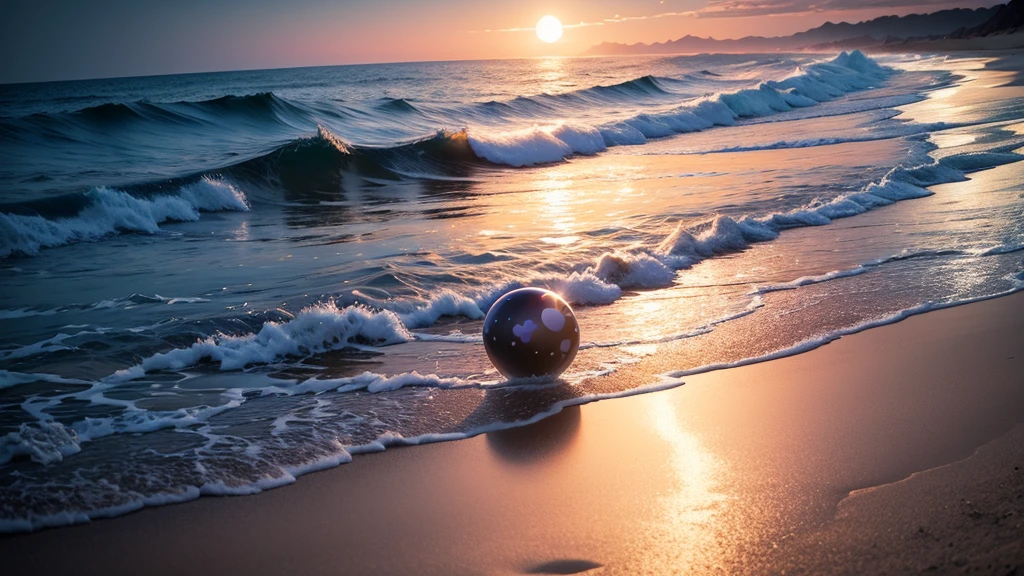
(264, 104)
(448, 149)
(125, 302)
(386, 322)
(725, 234)
(644, 85)
(397, 105)
(815, 83)
(305, 166)
(536, 145)
(315, 329)
(555, 142)
(107, 211)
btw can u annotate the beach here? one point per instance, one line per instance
(894, 450)
(254, 341)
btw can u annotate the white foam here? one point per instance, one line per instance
(578, 287)
(814, 279)
(583, 139)
(137, 421)
(456, 336)
(724, 234)
(8, 378)
(519, 148)
(370, 382)
(111, 211)
(53, 344)
(44, 442)
(446, 303)
(583, 288)
(181, 299)
(536, 145)
(314, 329)
(633, 270)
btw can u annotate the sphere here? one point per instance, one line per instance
(531, 332)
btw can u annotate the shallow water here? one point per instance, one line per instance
(214, 283)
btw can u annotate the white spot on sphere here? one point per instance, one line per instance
(565, 346)
(552, 319)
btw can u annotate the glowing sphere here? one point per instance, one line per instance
(531, 332)
(549, 29)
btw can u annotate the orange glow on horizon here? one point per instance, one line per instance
(510, 31)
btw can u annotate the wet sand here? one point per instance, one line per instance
(895, 450)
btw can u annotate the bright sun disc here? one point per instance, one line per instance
(549, 29)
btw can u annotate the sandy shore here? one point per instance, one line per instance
(895, 450)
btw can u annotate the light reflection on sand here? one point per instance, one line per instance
(684, 531)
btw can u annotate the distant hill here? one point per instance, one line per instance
(882, 30)
(1003, 31)
(1007, 20)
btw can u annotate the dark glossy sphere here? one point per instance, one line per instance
(531, 332)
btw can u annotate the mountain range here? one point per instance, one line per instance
(957, 23)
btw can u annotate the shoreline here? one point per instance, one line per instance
(382, 505)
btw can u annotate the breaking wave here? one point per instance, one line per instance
(107, 211)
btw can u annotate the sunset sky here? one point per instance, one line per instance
(70, 39)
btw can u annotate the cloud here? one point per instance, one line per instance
(749, 8)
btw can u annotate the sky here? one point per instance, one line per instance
(44, 40)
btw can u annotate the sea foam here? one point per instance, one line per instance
(109, 211)
(314, 329)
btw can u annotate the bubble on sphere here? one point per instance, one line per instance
(531, 332)
(552, 319)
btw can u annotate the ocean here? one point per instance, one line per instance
(215, 283)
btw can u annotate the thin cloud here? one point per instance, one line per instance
(614, 20)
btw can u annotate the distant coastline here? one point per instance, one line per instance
(996, 28)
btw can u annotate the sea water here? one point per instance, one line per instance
(213, 283)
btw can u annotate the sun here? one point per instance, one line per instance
(549, 29)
